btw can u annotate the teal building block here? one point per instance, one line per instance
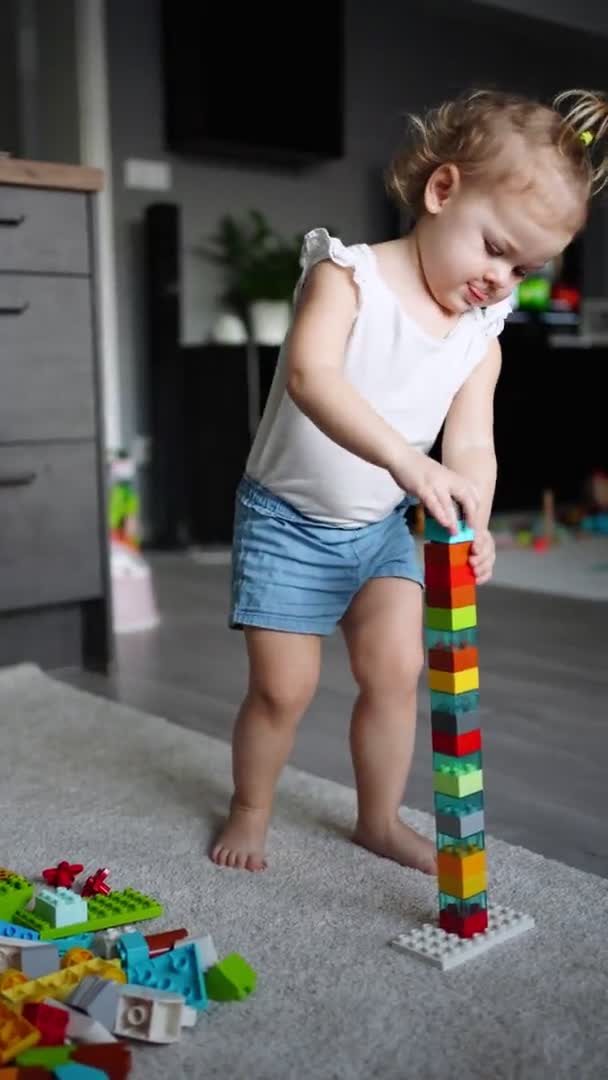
(456, 766)
(454, 703)
(60, 907)
(462, 844)
(437, 533)
(180, 971)
(15, 891)
(11, 930)
(116, 909)
(75, 941)
(73, 1070)
(461, 907)
(451, 639)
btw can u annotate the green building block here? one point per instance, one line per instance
(46, 1057)
(230, 980)
(117, 909)
(459, 618)
(15, 891)
(458, 784)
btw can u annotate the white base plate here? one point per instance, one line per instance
(447, 951)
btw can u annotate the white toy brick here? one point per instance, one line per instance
(447, 951)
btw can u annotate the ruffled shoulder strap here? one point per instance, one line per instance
(318, 244)
(491, 320)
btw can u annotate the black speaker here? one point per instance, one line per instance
(166, 510)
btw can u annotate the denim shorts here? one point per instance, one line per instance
(292, 573)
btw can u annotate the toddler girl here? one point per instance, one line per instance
(389, 343)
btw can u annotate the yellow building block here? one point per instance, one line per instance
(59, 984)
(454, 682)
(16, 1034)
(471, 886)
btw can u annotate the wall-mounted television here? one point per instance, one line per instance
(252, 83)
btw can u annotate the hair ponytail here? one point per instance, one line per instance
(585, 124)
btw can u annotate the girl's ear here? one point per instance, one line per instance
(442, 185)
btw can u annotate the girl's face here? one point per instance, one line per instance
(476, 243)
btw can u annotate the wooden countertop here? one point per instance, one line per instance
(49, 174)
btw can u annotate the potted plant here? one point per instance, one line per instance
(261, 270)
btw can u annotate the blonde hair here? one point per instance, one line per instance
(469, 132)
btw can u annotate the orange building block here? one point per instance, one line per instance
(461, 596)
(448, 577)
(461, 874)
(447, 555)
(454, 659)
(16, 1034)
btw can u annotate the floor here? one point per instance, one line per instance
(544, 687)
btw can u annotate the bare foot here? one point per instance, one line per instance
(400, 843)
(240, 844)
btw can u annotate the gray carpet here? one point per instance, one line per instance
(89, 780)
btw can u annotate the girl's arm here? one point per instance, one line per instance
(316, 347)
(468, 434)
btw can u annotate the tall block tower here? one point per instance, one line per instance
(453, 676)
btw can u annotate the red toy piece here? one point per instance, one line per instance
(96, 884)
(63, 875)
(51, 1022)
(466, 926)
(163, 942)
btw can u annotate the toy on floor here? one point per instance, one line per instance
(134, 605)
(78, 981)
(466, 927)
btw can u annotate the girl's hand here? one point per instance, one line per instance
(483, 556)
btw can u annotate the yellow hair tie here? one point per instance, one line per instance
(586, 137)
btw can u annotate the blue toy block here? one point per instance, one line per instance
(9, 929)
(180, 971)
(75, 941)
(433, 531)
(73, 1070)
(61, 907)
(132, 949)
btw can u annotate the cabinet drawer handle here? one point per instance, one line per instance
(12, 222)
(14, 309)
(16, 479)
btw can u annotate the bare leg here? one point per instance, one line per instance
(383, 633)
(284, 672)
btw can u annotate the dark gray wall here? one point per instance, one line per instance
(399, 56)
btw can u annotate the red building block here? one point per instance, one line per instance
(112, 1058)
(63, 875)
(463, 925)
(448, 577)
(160, 943)
(459, 659)
(447, 555)
(462, 596)
(51, 1022)
(456, 745)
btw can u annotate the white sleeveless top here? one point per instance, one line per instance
(408, 376)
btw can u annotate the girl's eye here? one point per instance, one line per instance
(519, 271)
(492, 249)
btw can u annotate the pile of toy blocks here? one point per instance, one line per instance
(451, 638)
(78, 981)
